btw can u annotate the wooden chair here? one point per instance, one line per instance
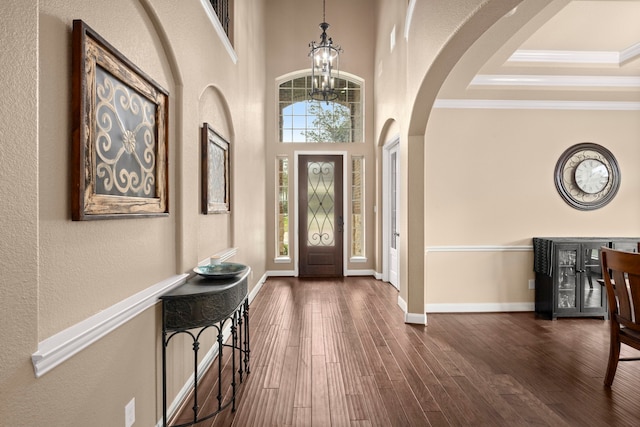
(619, 267)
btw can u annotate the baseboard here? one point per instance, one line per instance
(361, 273)
(257, 287)
(402, 303)
(480, 307)
(291, 273)
(67, 343)
(280, 273)
(415, 318)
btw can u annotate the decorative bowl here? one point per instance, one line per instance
(224, 270)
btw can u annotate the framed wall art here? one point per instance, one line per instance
(120, 134)
(215, 172)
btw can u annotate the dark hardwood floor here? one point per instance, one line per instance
(337, 353)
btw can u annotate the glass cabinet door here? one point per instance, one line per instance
(592, 292)
(566, 276)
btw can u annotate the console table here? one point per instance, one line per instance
(196, 306)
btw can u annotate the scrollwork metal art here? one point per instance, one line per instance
(120, 134)
(320, 221)
(125, 139)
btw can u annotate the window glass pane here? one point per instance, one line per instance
(282, 201)
(314, 121)
(357, 202)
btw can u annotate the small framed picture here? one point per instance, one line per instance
(215, 172)
(120, 134)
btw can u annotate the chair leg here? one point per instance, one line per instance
(614, 357)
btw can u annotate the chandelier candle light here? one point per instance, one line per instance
(324, 58)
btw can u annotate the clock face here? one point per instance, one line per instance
(587, 176)
(591, 176)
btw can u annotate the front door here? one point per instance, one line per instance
(321, 218)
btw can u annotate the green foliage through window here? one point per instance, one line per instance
(305, 121)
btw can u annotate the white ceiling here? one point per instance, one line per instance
(579, 51)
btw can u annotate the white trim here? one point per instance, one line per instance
(566, 56)
(281, 273)
(257, 287)
(211, 14)
(276, 210)
(576, 56)
(555, 81)
(223, 255)
(479, 248)
(349, 215)
(392, 144)
(415, 318)
(307, 72)
(629, 53)
(402, 304)
(65, 344)
(479, 307)
(345, 206)
(369, 272)
(377, 275)
(409, 18)
(512, 104)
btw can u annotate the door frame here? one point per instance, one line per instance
(346, 209)
(391, 144)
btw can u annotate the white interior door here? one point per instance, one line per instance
(393, 212)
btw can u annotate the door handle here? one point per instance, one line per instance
(340, 224)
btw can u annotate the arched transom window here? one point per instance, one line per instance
(305, 121)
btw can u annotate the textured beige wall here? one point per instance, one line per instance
(56, 272)
(75, 270)
(292, 26)
(491, 183)
(19, 207)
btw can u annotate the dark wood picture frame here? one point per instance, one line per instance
(120, 134)
(215, 172)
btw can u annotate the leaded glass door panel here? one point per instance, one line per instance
(321, 221)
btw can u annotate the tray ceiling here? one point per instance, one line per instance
(573, 51)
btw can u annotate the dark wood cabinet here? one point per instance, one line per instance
(567, 272)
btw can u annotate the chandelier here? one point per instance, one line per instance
(324, 59)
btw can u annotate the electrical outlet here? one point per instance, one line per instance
(532, 284)
(130, 413)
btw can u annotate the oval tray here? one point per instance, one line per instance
(223, 270)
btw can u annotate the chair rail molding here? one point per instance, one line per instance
(65, 344)
(480, 248)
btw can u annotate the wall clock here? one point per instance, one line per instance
(587, 176)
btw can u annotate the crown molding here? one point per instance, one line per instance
(525, 104)
(555, 81)
(576, 56)
(566, 56)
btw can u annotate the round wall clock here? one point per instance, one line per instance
(587, 176)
